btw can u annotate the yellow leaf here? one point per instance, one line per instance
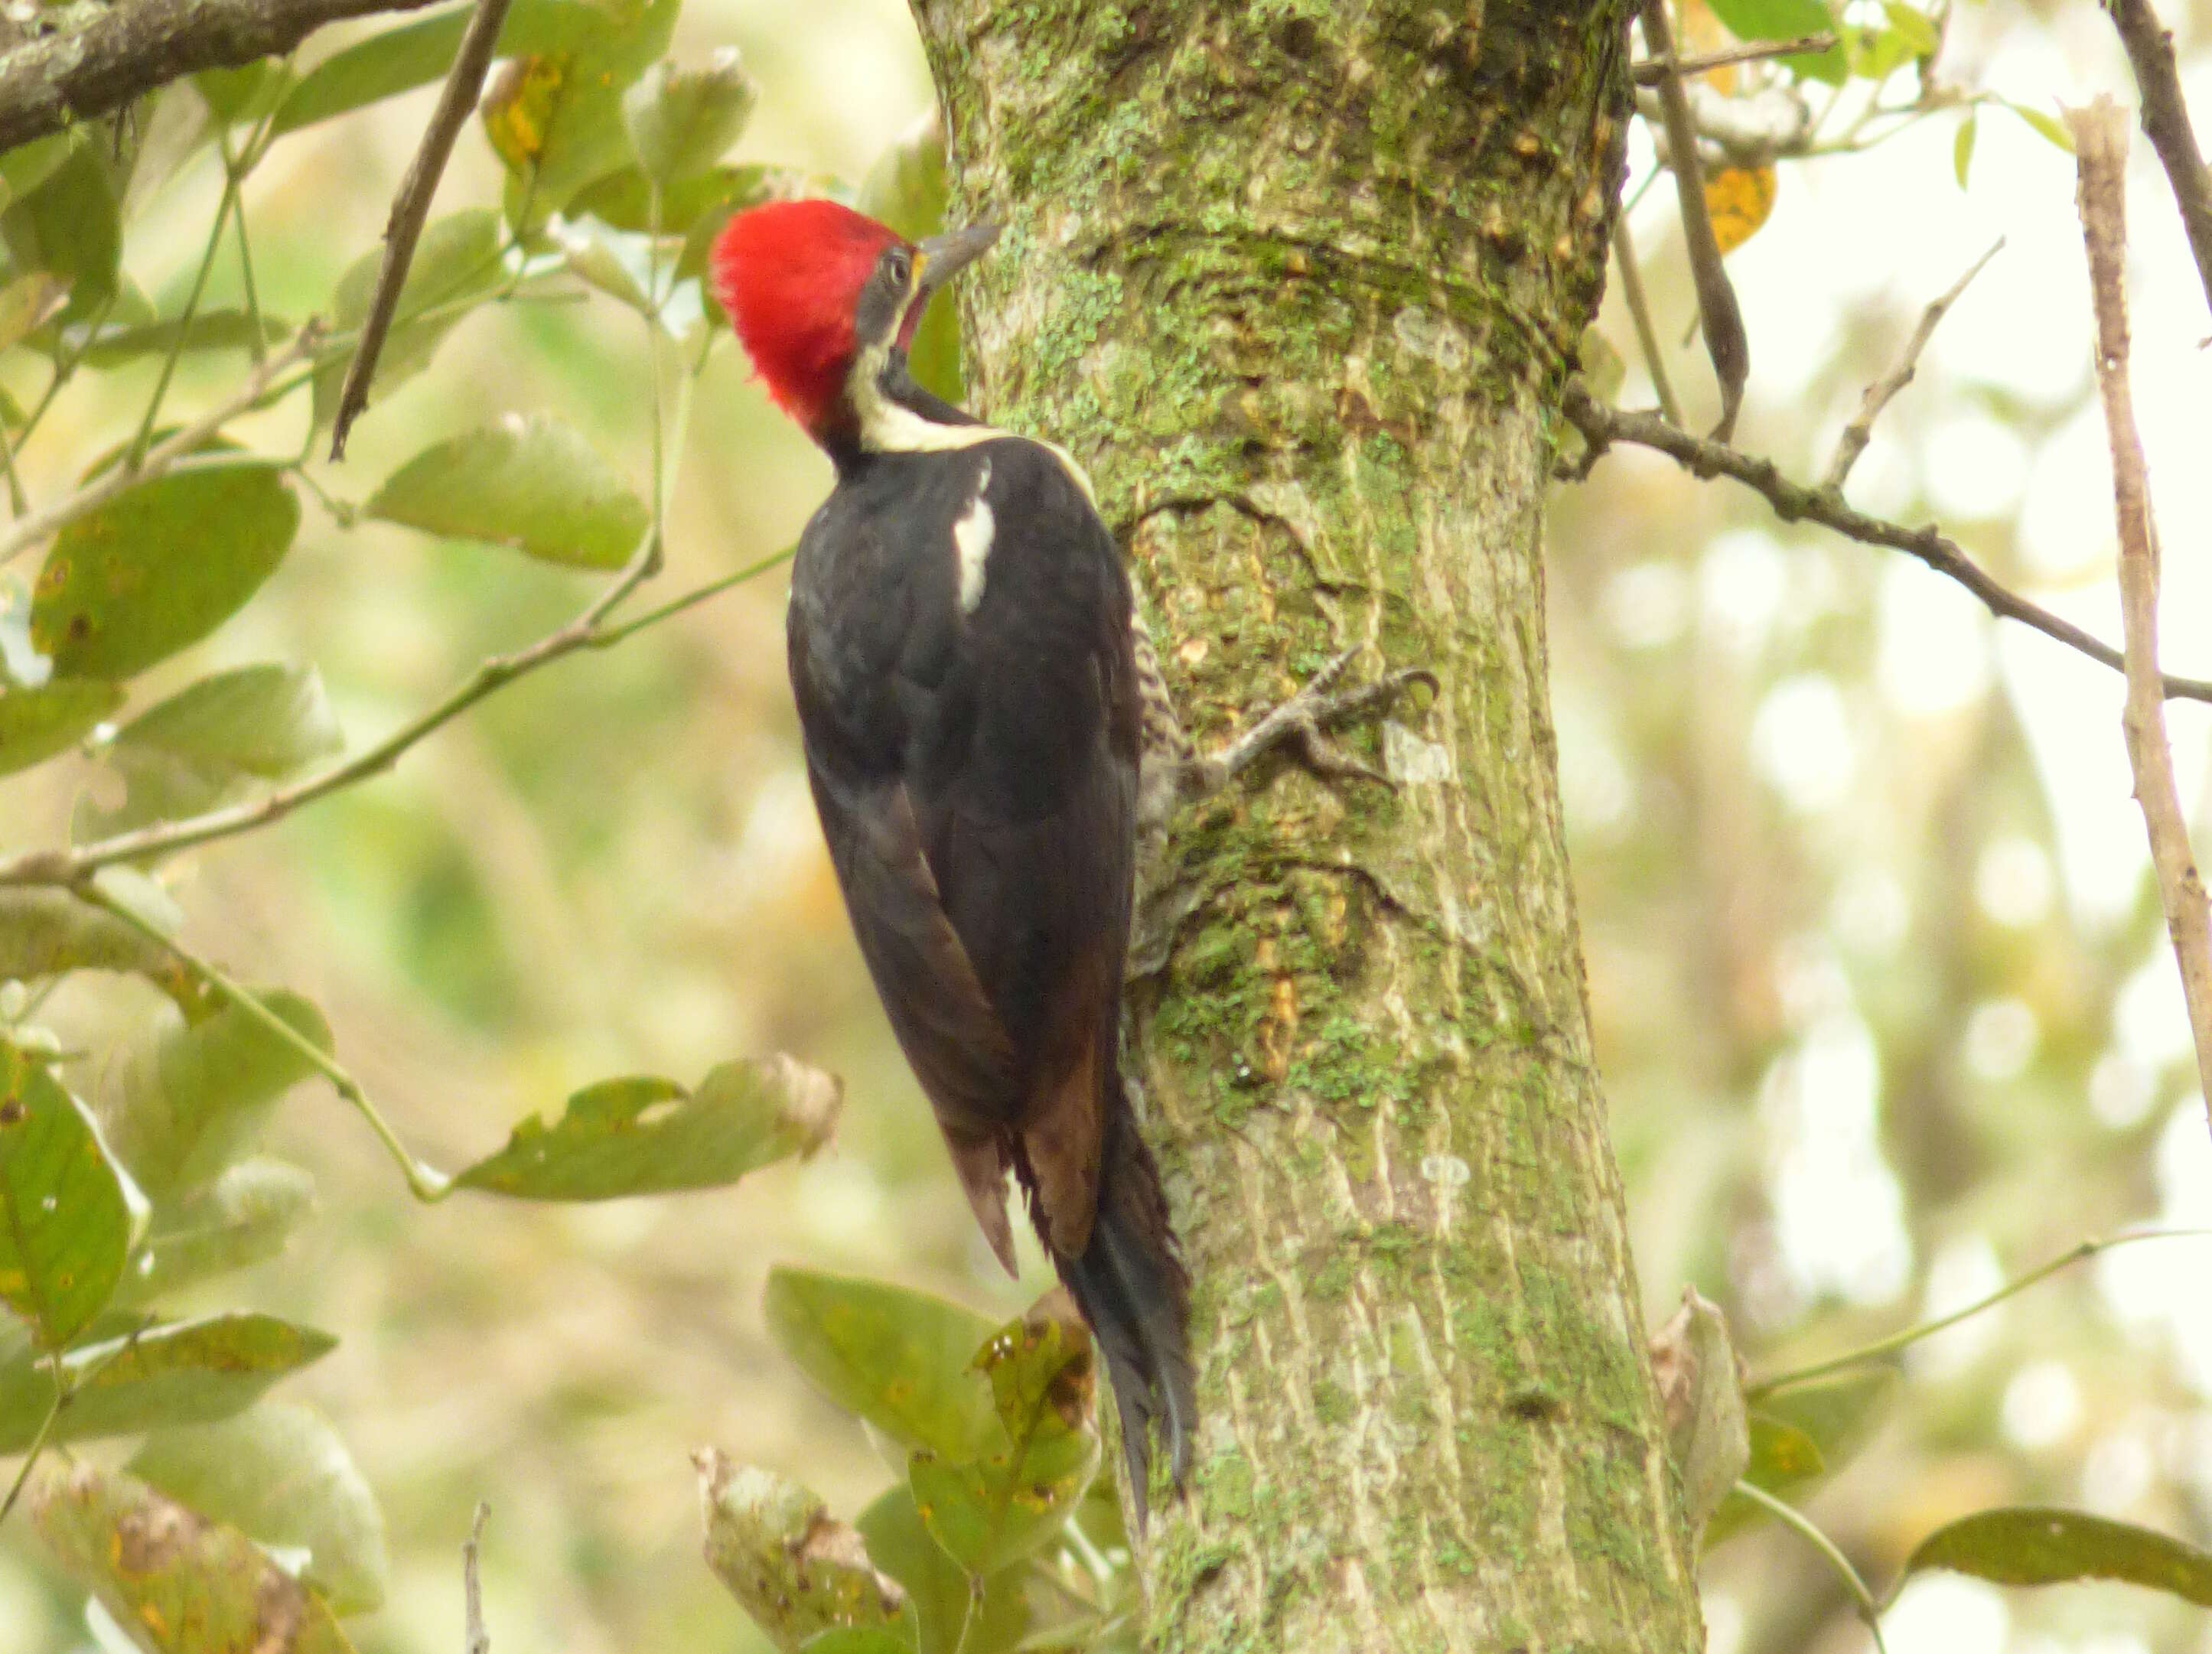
(518, 109)
(1739, 198)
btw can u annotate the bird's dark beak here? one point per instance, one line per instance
(941, 258)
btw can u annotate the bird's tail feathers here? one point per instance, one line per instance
(1134, 1290)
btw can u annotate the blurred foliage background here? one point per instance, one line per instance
(1883, 1001)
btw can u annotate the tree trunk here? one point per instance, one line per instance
(1301, 281)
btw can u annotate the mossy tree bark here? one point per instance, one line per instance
(1301, 281)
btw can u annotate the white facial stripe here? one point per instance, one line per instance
(971, 539)
(888, 427)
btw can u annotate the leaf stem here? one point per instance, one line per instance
(38, 1442)
(139, 443)
(1792, 1518)
(1898, 1340)
(426, 1182)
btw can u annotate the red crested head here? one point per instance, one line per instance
(812, 288)
(791, 275)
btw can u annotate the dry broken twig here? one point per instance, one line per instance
(411, 208)
(2100, 143)
(1602, 425)
(478, 1639)
(2166, 120)
(1852, 443)
(1717, 306)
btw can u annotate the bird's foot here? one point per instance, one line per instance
(1301, 724)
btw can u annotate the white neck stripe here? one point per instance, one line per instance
(888, 427)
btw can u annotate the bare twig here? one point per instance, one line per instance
(74, 74)
(1792, 1518)
(1652, 71)
(1794, 502)
(411, 208)
(1640, 311)
(73, 865)
(2100, 144)
(479, 1639)
(1852, 443)
(40, 526)
(2166, 120)
(1716, 306)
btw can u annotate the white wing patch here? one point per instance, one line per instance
(971, 539)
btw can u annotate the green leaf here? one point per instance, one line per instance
(1701, 1385)
(528, 482)
(681, 121)
(245, 1217)
(187, 1372)
(29, 303)
(1772, 20)
(182, 1584)
(1918, 32)
(861, 1639)
(281, 1475)
(382, 66)
(2050, 127)
(1010, 1501)
(1803, 1434)
(901, 1359)
(623, 200)
(266, 721)
(648, 1136)
(25, 167)
(182, 1100)
(49, 933)
(35, 724)
(459, 263)
(161, 566)
(212, 741)
(795, 1571)
(905, 189)
(243, 94)
(71, 226)
(1962, 146)
(68, 1213)
(2031, 1546)
(901, 1547)
(208, 330)
(555, 117)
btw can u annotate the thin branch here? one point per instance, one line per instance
(1640, 311)
(38, 1442)
(478, 1639)
(1882, 1348)
(425, 1182)
(2166, 120)
(40, 526)
(74, 865)
(411, 208)
(1860, 431)
(136, 454)
(2100, 143)
(1791, 1516)
(72, 76)
(1793, 502)
(1652, 71)
(1723, 321)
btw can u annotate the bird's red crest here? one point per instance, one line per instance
(790, 274)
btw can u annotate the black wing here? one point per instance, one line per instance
(974, 762)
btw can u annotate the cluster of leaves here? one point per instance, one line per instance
(129, 1174)
(1001, 1534)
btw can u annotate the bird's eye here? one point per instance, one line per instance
(901, 264)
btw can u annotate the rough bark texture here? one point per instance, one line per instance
(1301, 281)
(85, 59)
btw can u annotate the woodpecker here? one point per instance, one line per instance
(976, 695)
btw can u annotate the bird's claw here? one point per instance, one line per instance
(1301, 723)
